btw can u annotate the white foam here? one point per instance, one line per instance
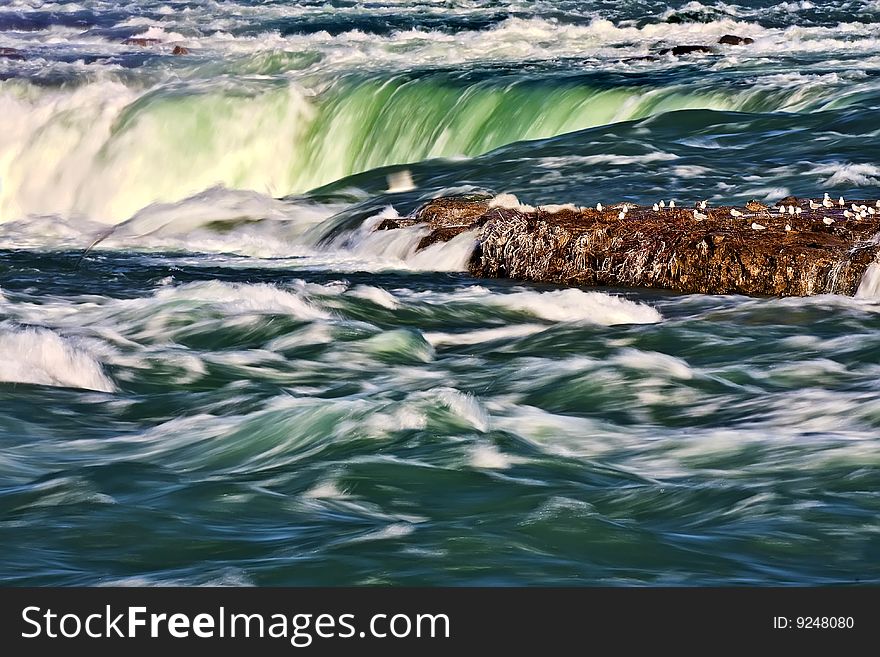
(511, 202)
(484, 335)
(405, 418)
(463, 405)
(453, 255)
(392, 246)
(555, 162)
(217, 205)
(554, 208)
(869, 287)
(390, 532)
(243, 298)
(559, 434)
(330, 289)
(400, 181)
(567, 305)
(489, 457)
(155, 32)
(653, 361)
(42, 357)
(573, 305)
(846, 173)
(325, 490)
(312, 334)
(377, 295)
(398, 249)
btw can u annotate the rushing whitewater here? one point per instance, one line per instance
(270, 102)
(214, 370)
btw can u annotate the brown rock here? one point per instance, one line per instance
(789, 200)
(686, 50)
(142, 42)
(734, 40)
(180, 50)
(11, 53)
(720, 254)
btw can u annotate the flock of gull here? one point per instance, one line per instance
(854, 212)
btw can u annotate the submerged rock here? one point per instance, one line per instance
(686, 50)
(180, 50)
(11, 53)
(715, 251)
(141, 41)
(734, 40)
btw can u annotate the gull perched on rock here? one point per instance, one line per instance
(735, 213)
(699, 216)
(756, 226)
(814, 205)
(790, 209)
(787, 227)
(671, 204)
(599, 207)
(656, 208)
(827, 221)
(663, 204)
(847, 214)
(841, 202)
(702, 205)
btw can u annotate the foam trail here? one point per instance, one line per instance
(377, 295)
(483, 335)
(573, 305)
(242, 298)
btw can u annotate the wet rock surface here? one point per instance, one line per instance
(697, 49)
(11, 53)
(734, 40)
(752, 250)
(678, 51)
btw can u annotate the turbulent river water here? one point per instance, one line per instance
(243, 384)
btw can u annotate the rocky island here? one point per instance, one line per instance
(795, 247)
